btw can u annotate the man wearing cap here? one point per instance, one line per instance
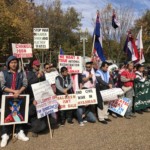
(34, 76)
(14, 82)
(127, 77)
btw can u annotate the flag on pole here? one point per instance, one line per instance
(61, 52)
(139, 44)
(97, 44)
(130, 48)
(115, 22)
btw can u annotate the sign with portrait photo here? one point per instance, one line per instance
(14, 110)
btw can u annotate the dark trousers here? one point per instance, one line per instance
(8, 129)
(37, 125)
(65, 114)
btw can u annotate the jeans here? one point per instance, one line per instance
(89, 116)
(65, 114)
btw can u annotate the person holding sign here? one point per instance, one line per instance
(64, 87)
(103, 82)
(127, 77)
(13, 82)
(34, 76)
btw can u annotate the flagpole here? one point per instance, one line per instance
(140, 47)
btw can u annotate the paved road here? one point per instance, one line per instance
(120, 134)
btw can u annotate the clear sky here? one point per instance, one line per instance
(88, 7)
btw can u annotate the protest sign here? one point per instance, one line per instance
(142, 94)
(111, 94)
(66, 103)
(22, 50)
(14, 110)
(41, 38)
(50, 77)
(86, 97)
(119, 106)
(73, 63)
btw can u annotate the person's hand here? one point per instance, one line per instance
(110, 86)
(34, 102)
(40, 74)
(132, 79)
(16, 93)
(65, 91)
(90, 76)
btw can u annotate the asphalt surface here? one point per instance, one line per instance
(120, 134)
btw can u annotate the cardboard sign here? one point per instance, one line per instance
(41, 38)
(14, 110)
(22, 50)
(66, 103)
(47, 106)
(73, 63)
(111, 94)
(86, 97)
(119, 106)
(50, 77)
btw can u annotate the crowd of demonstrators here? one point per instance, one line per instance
(14, 81)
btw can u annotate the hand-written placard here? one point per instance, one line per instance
(48, 106)
(66, 103)
(86, 96)
(111, 94)
(119, 106)
(73, 63)
(22, 50)
(50, 77)
(41, 38)
(42, 90)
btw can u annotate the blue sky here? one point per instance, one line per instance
(88, 7)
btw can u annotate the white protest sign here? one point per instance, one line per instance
(119, 106)
(73, 63)
(66, 103)
(111, 94)
(86, 97)
(22, 50)
(45, 97)
(41, 38)
(42, 90)
(50, 77)
(47, 106)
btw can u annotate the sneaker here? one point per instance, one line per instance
(71, 122)
(132, 115)
(108, 120)
(81, 124)
(84, 121)
(114, 115)
(5, 139)
(103, 122)
(127, 117)
(22, 136)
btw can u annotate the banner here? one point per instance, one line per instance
(50, 77)
(111, 94)
(45, 98)
(86, 97)
(119, 106)
(142, 94)
(73, 63)
(22, 50)
(41, 38)
(14, 110)
(66, 103)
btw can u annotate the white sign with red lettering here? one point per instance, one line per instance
(22, 50)
(67, 102)
(86, 97)
(73, 63)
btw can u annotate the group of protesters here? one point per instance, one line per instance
(16, 81)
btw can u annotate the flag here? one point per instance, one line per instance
(139, 44)
(97, 43)
(61, 52)
(115, 22)
(130, 48)
(95, 57)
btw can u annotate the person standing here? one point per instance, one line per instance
(103, 82)
(14, 82)
(127, 78)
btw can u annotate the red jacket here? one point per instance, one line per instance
(10, 118)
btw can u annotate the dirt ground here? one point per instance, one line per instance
(120, 134)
